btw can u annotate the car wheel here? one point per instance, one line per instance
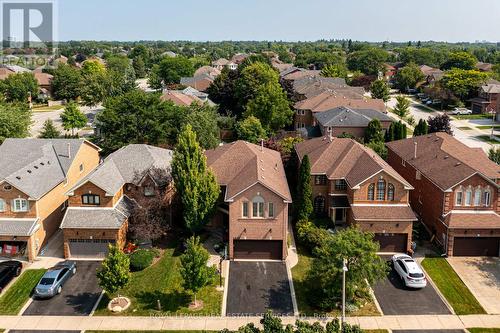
(73, 270)
(18, 271)
(59, 289)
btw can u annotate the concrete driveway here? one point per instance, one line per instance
(395, 298)
(257, 286)
(78, 297)
(482, 276)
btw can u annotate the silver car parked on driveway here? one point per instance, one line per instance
(53, 280)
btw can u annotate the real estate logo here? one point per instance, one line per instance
(28, 24)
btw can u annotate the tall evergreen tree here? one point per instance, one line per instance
(139, 67)
(374, 131)
(49, 131)
(304, 190)
(194, 181)
(422, 128)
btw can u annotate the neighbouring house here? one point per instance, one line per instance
(456, 192)
(306, 109)
(431, 74)
(34, 177)
(5, 73)
(238, 58)
(488, 95)
(344, 120)
(253, 206)
(169, 54)
(200, 82)
(100, 205)
(43, 80)
(179, 98)
(353, 186)
(212, 71)
(222, 62)
(484, 67)
(201, 95)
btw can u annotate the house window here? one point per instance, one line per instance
(459, 197)
(270, 210)
(301, 112)
(91, 199)
(81, 167)
(477, 197)
(468, 197)
(340, 185)
(2, 205)
(381, 189)
(320, 180)
(390, 192)
(149, 191)
(7, 187)
(19, 205)
(403, 162)
(371, 192)
(64, 205)
(258, 207)
(418, 175)
(319, 205)
(487, 198)
(245, 209)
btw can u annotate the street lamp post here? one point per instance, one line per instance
(344, 270)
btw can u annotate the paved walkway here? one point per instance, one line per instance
(439, 322)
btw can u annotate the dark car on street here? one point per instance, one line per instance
(8, 270)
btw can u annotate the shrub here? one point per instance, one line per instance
(141, 259)
(310, 235)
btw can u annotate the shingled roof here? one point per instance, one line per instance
(444, 160)
(343, 158)
(36, 166)
(346, 117)
(330, 99)
(240, 164)
(128, 165)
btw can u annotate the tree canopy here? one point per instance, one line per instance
(380, 90)
(408, 77)
(15, 120)
(72, 118)
(460, 60)
(251, 130)
(370, 61)
(17, 87)
(172, 69)
(463, 83)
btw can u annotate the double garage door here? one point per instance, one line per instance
(476, 246)
(392, 242)
(89, 248)
(258, 249)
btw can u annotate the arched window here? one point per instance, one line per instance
(2, 205)
(487, 197)
(468, 197)
(381, 189)
(258, 206)
(477, 197)
(459, 197)
(371, 192)
(20, 205)
(390, 192)
(319, 205)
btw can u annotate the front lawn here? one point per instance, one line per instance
(162, 282)
(488, 127)
(488, 139)
(299, 273)
(13, 300)
(483, 330)
(452, 287)
(470, 116)
(48, 108)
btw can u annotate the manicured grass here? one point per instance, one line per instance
(470, 116)
(488, 139)
(483, 330)
(452, 287)
(465, 128)
(488, 126)
(162, 281)
(48, 108)
(13, 300)
(299, 273)
(181, 331)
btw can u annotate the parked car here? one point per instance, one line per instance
(53, 280)
(408, 270)
(461, 111)
(421, 96)
(8, 270)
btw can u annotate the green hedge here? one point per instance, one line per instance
(141, 259)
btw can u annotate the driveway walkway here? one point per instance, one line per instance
(482, 276)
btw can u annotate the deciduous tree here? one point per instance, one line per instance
(494, 154)
(461, 60)
(251, 130)
(380, 90)
(114, 272)
(408, 77)
(440, 123)
(15, 120)
(172, 69)
(17, 87)
(72, 118)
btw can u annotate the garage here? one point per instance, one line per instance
(391, 242)
(258, 249)
(476, 246)
(89, 248)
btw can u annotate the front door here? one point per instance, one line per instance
(340, 215)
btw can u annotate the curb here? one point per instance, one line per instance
(96, 303)
(224, 296)
(292, 290)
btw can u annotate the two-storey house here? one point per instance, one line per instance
(488, 95)
(101, 204)
(456, 192)
(254, 199)
(34, 177)
(352, 185)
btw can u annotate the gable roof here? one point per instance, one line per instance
(240, 164)
(300, 73)
(212, 71)
(491, 88)
(329, 100)
(428, 70)
(347, 117)
(36, 166)
(179, 98)
(444, 160)
(129, 165)
(220, 62)
(343, 158)
(200, 82)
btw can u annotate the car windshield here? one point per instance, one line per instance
(46, 281)
(416, 275)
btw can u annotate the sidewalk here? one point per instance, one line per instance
(436, 322)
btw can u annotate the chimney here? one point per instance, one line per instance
(261, 144)
(69, 150)
(415, 150)
(330, 137)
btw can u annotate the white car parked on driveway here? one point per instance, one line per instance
(461, 111)
(409, 271)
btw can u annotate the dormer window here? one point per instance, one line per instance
(20, 205)
(149, 191)
(91, 199)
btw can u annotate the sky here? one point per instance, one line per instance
(292, 20)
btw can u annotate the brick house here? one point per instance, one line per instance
(100, 205)
(34, 177)
(352, 185)
(456, 192)
(254, 202)
(488, 95)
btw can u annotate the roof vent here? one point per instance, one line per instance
(29, 171)
(41, 163)
(18, 178)
(446, 156)
(458, 163)
(35, 166)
